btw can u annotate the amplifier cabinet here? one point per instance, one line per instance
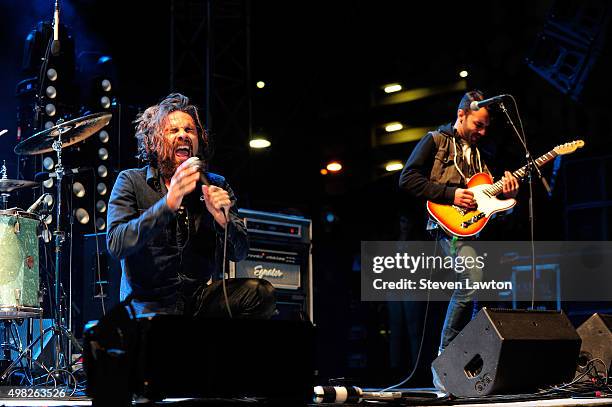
(280, 252)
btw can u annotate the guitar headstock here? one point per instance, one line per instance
(568, 148)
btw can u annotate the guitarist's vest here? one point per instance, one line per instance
(443, 170)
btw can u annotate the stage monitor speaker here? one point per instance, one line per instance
(161, 356)
(507, 351)
(596, 335)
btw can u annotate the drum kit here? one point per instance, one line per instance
(20, 230)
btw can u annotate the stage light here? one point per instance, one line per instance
(101, 206)
(50, 109)
(51, 92)
(49, 124)
(48, 163)
(52, 74)
(259, 143)
(48, 219)
(82, 216)
(330, 217)
(78, 190)
(334, 166)
(463, 74)
(394, 166)
(261, 84)
(106, 85)
(103, 153)
(395, 126)
(105, 102)
(100, 223)
(49, 200)
(324, 171)
(104, 137)
(48, 183)
(101, 188)
(392, 88)
(102, 171)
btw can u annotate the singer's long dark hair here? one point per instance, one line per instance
(152, 146)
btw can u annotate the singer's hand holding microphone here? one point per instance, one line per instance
(184, 182)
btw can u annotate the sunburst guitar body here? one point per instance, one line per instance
(464, 222)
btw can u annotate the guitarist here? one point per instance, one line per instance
(438, 170)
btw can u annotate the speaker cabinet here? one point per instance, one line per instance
(507, 351)
(596, 335)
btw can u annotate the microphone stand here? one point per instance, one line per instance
(531, 167)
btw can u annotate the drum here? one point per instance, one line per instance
(19, 280)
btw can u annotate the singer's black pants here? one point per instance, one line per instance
(247, 297)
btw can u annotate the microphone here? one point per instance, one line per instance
(350, 394)
(55, 45)
(478, 104)
(43, 176)
(195, 161)
(36, 203)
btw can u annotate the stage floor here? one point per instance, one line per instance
(561, 402)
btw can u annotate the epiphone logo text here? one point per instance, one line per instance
(261, 272)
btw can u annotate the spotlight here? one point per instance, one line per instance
(103, 153)
(334, 166)
(82, 216)
(48, 183)
(48, 200)
(395, 126)
(259, 143)
(260, 84)
(101, 206)
(102, 171)
(463, 74)
(48, 219)
(51, 92)
(324, 171)
(50, 109)
(49, 124)
(101, 188)
(105, 102)
(48, 163)
(106, 85)
(78, 190)
(104, 137)
(330, 217)
(100, 223)
(394, 166)
(52, 74)
(392, 88)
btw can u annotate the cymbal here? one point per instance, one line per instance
(9, 185)
(71, 132)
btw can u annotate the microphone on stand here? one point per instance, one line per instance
(36, 203)
(55, 44)
(478, 104)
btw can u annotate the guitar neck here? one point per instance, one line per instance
(497, 187)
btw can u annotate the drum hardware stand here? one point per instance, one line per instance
(59, 331)
(4, 194)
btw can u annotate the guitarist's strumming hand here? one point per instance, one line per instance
(510, 185)
(464, 198)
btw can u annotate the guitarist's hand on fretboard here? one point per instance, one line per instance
(510, 185)
(464, 198)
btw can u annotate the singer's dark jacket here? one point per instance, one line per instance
(142, 233)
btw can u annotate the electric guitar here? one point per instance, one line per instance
(464, 222)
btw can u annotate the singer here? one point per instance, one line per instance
(170, 241)
(438, 170)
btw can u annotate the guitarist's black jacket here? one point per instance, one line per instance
(431, 171)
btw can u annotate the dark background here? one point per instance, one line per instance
(322, 63)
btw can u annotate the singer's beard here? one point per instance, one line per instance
(166, 167)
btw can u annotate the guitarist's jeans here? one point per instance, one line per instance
(461, 306)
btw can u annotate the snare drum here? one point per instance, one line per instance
(19, 280)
